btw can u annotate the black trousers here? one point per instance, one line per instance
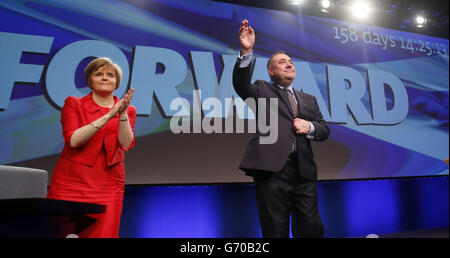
(282, 194)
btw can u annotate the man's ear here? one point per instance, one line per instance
(269, 70)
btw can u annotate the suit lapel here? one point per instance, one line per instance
(301, 103)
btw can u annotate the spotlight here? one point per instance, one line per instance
(420, 21)
(325, 5)
(295, 2)
(361, 9)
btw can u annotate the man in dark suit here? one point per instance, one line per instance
(284, 172)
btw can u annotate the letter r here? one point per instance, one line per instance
(163, 85)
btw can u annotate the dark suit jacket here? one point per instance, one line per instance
(272, 157)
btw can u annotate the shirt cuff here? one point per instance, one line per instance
(312, 131)
(245, 60)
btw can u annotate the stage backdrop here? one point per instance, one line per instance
(384, 92)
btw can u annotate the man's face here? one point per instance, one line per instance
(281, 70)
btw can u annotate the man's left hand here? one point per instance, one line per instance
(301, 126)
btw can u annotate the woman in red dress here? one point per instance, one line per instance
(97, 129)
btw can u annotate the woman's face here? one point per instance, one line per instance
(103, 80)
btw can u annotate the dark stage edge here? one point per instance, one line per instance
(426, 233)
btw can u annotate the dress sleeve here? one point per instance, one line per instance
(69, 118)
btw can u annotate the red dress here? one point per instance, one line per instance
(95, 171)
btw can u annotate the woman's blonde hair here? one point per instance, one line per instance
(99, 62)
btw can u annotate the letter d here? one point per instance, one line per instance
(399, 110)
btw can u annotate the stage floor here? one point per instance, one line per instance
(426, 233)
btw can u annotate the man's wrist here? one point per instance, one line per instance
(245, 60)
(244, 52)
(312, 131)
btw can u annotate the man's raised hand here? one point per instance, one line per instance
(246, 37)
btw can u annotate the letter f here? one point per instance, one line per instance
(11, 70)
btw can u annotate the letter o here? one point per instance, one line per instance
(59, 78)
